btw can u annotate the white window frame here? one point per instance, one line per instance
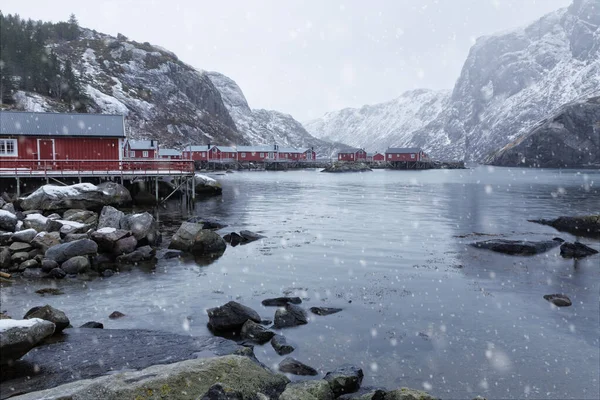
(145, 153)
(412, 156)
(243, 155)
(203, 154)
(262, 155)
(389, 156)
(3, 148)
(132, 153)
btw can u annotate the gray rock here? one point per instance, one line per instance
(408, 394)
(568, 139)
(251, 236)
(230, 316)
(325, 310)
(207, 223)
(71, 237)
(10, 207)
(218, 392)
(93, 325)
(49, 313)
(29, 264)
(183, 239)
(116, 315)
(57, 273)
(518, 247)
(19, 257)
(45, 240)
(110, 217)
(19, 337)
(107, 273)
(20, 246)
(100, 352)
(234, 239)
(85, 217)
(291, 315)
(338, 167)
(256, 332)
(5, 238)
(292, 366)
(8, 221)
(345, 379)
(207, 242)
(125, 245)
(63, 252)
(308, 390)
(366, 393)
(25, 236)
(118, 194)
(83, 195)
(76, 265)
(281, 346)
(576, 250)
(144, 253)
(585, 225)
(281, 301)
(143, 227)
(106, 238)
(32, 273)
(48, 265)
(36, 221)
(559, 300)
(5, 258)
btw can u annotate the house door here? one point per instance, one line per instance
(45, 149)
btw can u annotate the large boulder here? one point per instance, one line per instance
(110, 217)
(291, 315)
(207, 185)
(17, 337)
(345, 379)
(585, 225)
(190, 379)
(576, 250)
(292, 366)
(8, 221)
(62, 252)
(45, 240)
(107, 237)
(518, 247)
(183, 239)
(49, 313)
(81, 195)
(281, 345)
(25, 236)
(36, 221)
(118, 193)
(408, 394)
(144, 253)
(256, 332)
(125, 245)
(144, 228)
(76, 265)
(230, 316)
(308, 390)
(191, 238)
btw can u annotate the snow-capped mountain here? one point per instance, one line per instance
(165, 99)
(377, 127)
(509, 82)
(266, 126)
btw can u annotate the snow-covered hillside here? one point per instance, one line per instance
(266, 126)
(166, 99)
(379, 126)
(509, 82)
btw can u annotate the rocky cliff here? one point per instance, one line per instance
(570, 138)
(509, 82)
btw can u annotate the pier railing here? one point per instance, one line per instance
(41, 168)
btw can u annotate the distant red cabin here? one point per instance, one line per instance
(378, 157)
(222, 154)
(352, 155)
(142, 149)
(257, 153)
(404, 154)
(30, 136)
(169, 154)
(196, 153)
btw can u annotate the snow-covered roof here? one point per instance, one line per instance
(225, 149)
(256, 148)
(169, 152)
(61, 124)
(292, 150)
(350, 151)
(142, 144)
(196, 148)
(402, 150)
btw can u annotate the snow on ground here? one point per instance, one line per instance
(4, 213)
(109, 104)
(6, 324)
(73, 224)
(106, 230)
(36, 217)
(207, 180)
(60, 191)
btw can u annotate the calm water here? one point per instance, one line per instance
(421, 308)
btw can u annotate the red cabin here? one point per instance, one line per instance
(169, 154)
(140, 149)
(196, 153)
(257, 153)
(30, 139)
(352, 155)
(404, 154)
(222, 154)
(378, 157)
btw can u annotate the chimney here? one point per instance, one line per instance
(151, 143)
(208, 146)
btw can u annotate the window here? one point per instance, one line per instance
(243, 155)
(203, 154)
(262, 155)
(412, 156)
(144, 154)
(132, 153)
(339, 156)
(389, 156)
(8, 148)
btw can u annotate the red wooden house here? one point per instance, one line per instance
(404, 154)
(30, 139)
(222, 154)
(257, 153)
(378, 157)
(140, 149)
(196, 153)
(352, 155)
(169, 154)
(291, 154)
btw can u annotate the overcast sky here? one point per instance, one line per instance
(307, 57)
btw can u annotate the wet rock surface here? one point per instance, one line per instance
(292, 366)
(281, 345)
(518, 247)
(230, 316)
(585, 225)
(49, 313)
(325, 310)
(291, 315)
(345, 379)
(576, 250)
(19, 337)
(255, 332)
(281, 301)
(308, 390)
(101, 351)
(337, 167)
(559, 300)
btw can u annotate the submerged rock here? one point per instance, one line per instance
(308, 390)
(17, 337)
(230, 316)
(292, 366)
(250, 236)
(518, 247)
(291, 315)
(587, 225)
(325, 310)
(49, 313)
(93, 325)
(576, 250)
(347, 167)
(116, 315)
(281, 301)
(256, 332)
(144, 253)
(345, 379)
(559, 300)
(144, 228)
(408, 394)
(281, 346)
